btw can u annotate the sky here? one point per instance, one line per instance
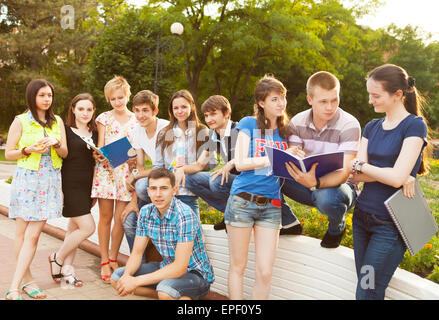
(421, 13)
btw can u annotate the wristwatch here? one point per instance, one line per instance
(135, 173)
(358, 167)
(317, 186)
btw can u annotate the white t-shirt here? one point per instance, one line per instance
(141, 140)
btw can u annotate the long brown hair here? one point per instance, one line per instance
(71, 118)
(31, 94)
(167, 139)
(263, 88)
(394, 78)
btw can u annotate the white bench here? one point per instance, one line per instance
(302, 270)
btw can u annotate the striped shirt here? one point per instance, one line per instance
(179, 224)
(341, 133)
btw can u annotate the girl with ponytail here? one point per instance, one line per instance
(392, 152)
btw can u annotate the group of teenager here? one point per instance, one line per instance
(226, 165)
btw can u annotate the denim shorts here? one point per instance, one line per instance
(245, 213)
(192, 284)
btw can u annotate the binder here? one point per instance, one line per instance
(117, 152)
(413, 218)
(328, 162)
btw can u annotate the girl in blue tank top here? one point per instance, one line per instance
(254, 203)
(391, 154)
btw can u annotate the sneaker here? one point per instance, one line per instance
(294, 230)
(332, 241)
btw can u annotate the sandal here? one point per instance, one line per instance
(56, 277)
(70, 279)
(105, 277)
(10, 291)
(113, 261)
(36, 291)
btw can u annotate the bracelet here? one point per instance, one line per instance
(318, 183)
(354, 166)
(23, 152)
(56, 146)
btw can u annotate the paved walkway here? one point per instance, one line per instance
(86, 266)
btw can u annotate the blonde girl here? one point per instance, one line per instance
(109, 185)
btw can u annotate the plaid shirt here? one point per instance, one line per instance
(179, 224)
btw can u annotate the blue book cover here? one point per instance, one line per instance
(117, 152)
(328, 162)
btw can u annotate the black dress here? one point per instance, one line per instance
(77, 175)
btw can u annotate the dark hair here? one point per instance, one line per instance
(263, 88)
(31, 94)
(394, 78)
(71, 119)
(146, 97)
(216, 102)
(159, 173)
(164, 138)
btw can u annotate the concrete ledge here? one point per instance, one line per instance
(303, 270)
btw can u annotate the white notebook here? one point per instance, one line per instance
(413, 218)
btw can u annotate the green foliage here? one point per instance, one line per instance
(127, 47)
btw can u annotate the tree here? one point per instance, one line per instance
(127, 48)
(36, 42)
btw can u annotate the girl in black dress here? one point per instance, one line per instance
(77, 177)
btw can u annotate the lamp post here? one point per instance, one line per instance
(176, 29)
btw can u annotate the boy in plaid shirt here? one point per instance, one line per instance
(175, 230)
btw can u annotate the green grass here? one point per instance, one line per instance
(2, 155)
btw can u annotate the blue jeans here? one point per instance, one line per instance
(332, 202)
(212, 192)
(191, 284)
(246, 213)
(130, 223)
(378, 251)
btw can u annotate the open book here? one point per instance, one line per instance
(117, 152)
(328, 162)
(412, 217)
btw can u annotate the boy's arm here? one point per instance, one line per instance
(175, 269)
(127, 283)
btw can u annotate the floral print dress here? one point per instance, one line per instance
(36, 195)
(110, 183)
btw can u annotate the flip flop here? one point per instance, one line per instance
(10, 291)
(36, 291)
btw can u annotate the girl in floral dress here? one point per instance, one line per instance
(109, 185)
(37, 140)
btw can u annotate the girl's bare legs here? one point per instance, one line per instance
(25, 246)
(117, 232)
(104, 228)
(239, 240)
(266, 242)
(79, 229)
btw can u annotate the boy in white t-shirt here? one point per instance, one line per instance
(145, 108)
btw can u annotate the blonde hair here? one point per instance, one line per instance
(118, 82)
(322, 79)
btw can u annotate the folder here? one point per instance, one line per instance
(328, 162)
(413, 218)
(117, 152)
